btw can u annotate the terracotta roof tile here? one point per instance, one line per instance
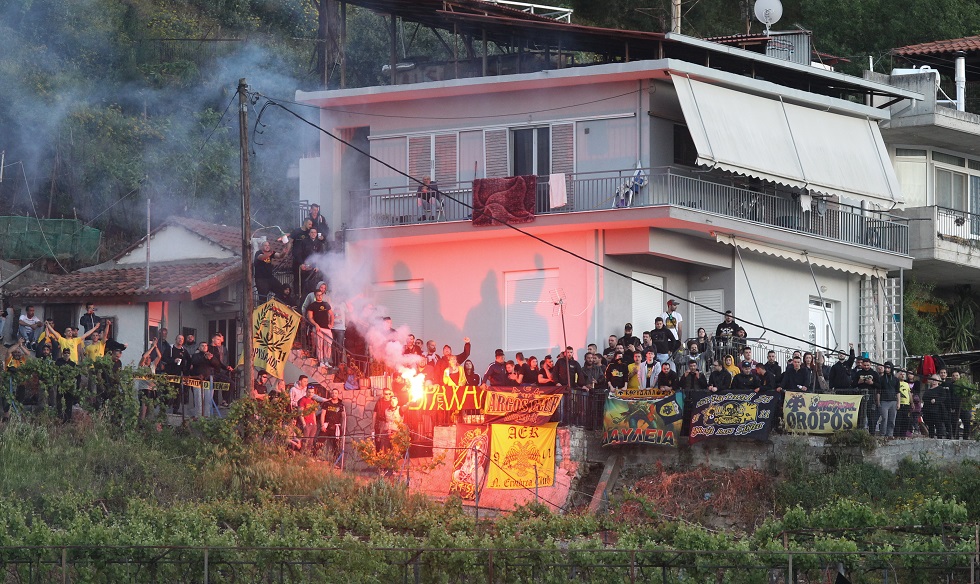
(971, 43)
(179, 281)
(226, 236)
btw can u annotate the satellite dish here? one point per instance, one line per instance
(768, 12)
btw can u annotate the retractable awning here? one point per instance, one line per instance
(789, 144)
(800, 256)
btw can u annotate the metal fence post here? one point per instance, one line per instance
(490, 568)
(205, 565)
(64, 565)
(633, 567)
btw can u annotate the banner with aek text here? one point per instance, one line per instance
(522, 457)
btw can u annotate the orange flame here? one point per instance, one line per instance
(416, 384)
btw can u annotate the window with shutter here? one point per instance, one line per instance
(531, 323)
(403, 301)
(702, 317)
(648, 303)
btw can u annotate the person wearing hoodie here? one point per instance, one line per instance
(933, 406)
(887, 401)
(840, 372)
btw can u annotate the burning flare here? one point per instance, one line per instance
(416, 384)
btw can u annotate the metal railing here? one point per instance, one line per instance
(673, 186)
(960, 224)
(362, 562)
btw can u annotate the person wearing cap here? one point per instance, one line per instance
(887, 401)
(673, 320)
(746, 380)
(628, 341)
(497, 371)
(726, 332)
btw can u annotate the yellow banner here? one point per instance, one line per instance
(642, 393)
(189, 382)
(515, 453)
(821, 413)
(274, 327)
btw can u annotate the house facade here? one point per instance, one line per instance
(684, 179)
(190, 285)
(934, 144)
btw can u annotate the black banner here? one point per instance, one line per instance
(734, 414)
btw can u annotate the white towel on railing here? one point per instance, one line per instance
(556, 187)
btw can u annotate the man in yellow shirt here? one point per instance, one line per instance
(96, 348)
(70, 340)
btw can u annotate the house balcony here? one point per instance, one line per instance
(731, 197)
(942, 242)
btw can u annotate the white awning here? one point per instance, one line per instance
(801, 256)
(789, 144)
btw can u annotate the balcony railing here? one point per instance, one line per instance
(663, 186)
(962, 225)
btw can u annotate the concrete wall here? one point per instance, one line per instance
(733, 454)
(783, 289)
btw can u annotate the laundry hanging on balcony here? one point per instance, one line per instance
(794, 145)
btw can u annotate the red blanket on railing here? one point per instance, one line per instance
(499, 200)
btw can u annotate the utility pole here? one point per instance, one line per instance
(249, 303)
(675, 16)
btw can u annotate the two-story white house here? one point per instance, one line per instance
(767, 191)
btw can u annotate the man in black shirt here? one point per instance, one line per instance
(320, 315)
(566, 364)
(319, 223)
(767, 381)
(663, 342)
(746, 380)
(497, 371)
(719, 379)
(628, 341)
(693, 378)
(617, 372)
(866, 379)
(773, 366)
(263, 270)
(333, 423)
(840, 372)
(89, 319)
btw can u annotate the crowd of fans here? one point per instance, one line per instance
(899, 403)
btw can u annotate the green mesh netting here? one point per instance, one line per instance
(21, 238)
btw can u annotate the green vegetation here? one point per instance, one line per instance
(110, 486)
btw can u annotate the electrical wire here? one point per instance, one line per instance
(44, 236)
(272, 103)
(221, 119)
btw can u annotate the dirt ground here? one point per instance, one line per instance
(738, 500)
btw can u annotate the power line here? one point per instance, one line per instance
(38, 218)
(270, 102)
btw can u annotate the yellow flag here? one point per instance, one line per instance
(274, 327)
(517, 451)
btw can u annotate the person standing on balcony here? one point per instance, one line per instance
(320, 316)
(725, 334)
(629, 342)
(673, 320)
(265, 278)
(320, 224)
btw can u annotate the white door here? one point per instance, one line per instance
(819, 327)
(648, 303)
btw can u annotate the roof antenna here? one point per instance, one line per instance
(768, 12)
